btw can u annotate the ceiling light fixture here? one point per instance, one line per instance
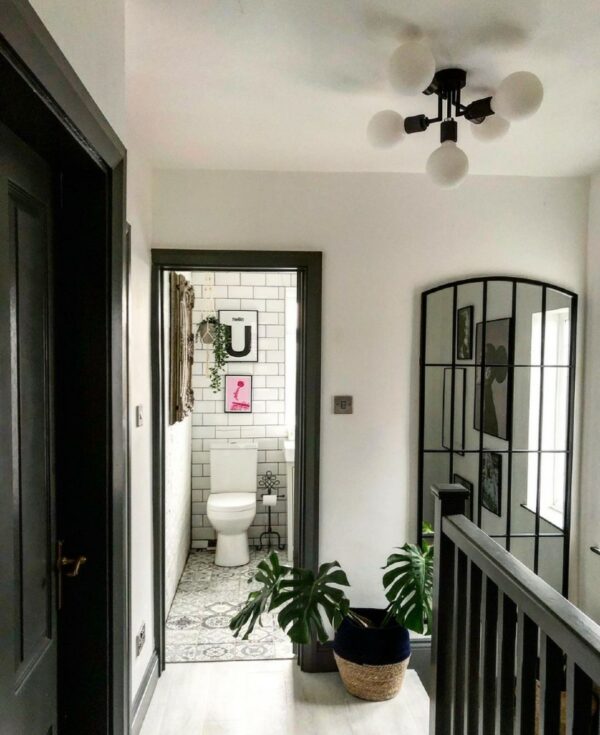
(412, 70)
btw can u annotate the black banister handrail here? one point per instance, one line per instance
(505, 644)
(566, 624)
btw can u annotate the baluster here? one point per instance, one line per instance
(489, 616)
(579, 701)
(474, 646)
(551, 679)
(527, 651)
(449, 500)
(460, 653)
(505, 714)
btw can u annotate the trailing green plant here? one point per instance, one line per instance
(306, 601)
(220, 342)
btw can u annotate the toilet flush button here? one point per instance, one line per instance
(342, 404)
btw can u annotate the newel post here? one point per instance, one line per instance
(449, 500)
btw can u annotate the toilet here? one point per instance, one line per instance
(231, 504)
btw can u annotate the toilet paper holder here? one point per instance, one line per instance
(270, 483)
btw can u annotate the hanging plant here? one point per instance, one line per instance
(206, 330)
(214, 334)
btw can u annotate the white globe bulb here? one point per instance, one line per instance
(412, 68)
(385, 129)
(519, 96)
(492, 128)
(448, 165)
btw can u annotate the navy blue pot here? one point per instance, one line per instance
(372, 646)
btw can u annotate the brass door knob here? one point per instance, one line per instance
(72, 566)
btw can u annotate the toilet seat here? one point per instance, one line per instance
(231, 502)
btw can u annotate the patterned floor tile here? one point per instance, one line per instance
(207, 598)
(248, 650)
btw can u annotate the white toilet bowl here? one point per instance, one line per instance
(231, 514)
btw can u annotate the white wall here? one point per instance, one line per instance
(385, 238)
(91, 34)
(590, 470)
(139, 185)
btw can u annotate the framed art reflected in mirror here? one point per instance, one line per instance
(494, 365)
(464, 333)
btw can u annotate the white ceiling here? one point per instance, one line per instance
(291, 84)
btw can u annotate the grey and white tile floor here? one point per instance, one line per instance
(206, 599)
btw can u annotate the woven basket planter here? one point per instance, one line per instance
(374, 683)
(372, 661)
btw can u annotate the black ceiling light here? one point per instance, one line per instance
(412, 71)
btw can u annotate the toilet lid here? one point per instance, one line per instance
(231, 501)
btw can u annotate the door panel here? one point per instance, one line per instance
(28, 646)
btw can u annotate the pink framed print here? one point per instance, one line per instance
(238, 394)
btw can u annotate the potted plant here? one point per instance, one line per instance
(212, 333)
(371, 647)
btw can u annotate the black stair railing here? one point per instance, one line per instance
(510, 654)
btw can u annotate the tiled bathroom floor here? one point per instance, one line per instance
(207, 597)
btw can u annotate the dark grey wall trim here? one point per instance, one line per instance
(144, 694)
(420, 658)
(308, 266)
(56, 82)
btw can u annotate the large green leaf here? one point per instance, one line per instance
(408, 584)
(306, 597)
(301, 597)
(270, 574)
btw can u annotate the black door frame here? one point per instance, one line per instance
(55, 115)
(308, 266)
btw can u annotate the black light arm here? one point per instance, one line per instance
(447, 85)
(416, 123)
(480, 109)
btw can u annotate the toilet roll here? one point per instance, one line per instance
(269, 500)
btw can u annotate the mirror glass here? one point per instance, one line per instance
(496, 377)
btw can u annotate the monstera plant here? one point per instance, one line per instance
(371, 646)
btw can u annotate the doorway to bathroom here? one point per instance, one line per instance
(236, 407)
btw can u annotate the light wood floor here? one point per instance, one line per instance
(275, 698)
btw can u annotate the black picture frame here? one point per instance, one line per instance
(464, 333)
(460, 406)
(490, 482)
(497, 420)
(254, 338)
(226, 379)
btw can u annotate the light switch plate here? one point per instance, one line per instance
(342, 404)
(139, 415)
(140, 639)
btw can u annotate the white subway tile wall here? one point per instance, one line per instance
(266, 293)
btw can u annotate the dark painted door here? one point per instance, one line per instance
(28, 605)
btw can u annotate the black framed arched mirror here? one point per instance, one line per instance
(497, 371)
